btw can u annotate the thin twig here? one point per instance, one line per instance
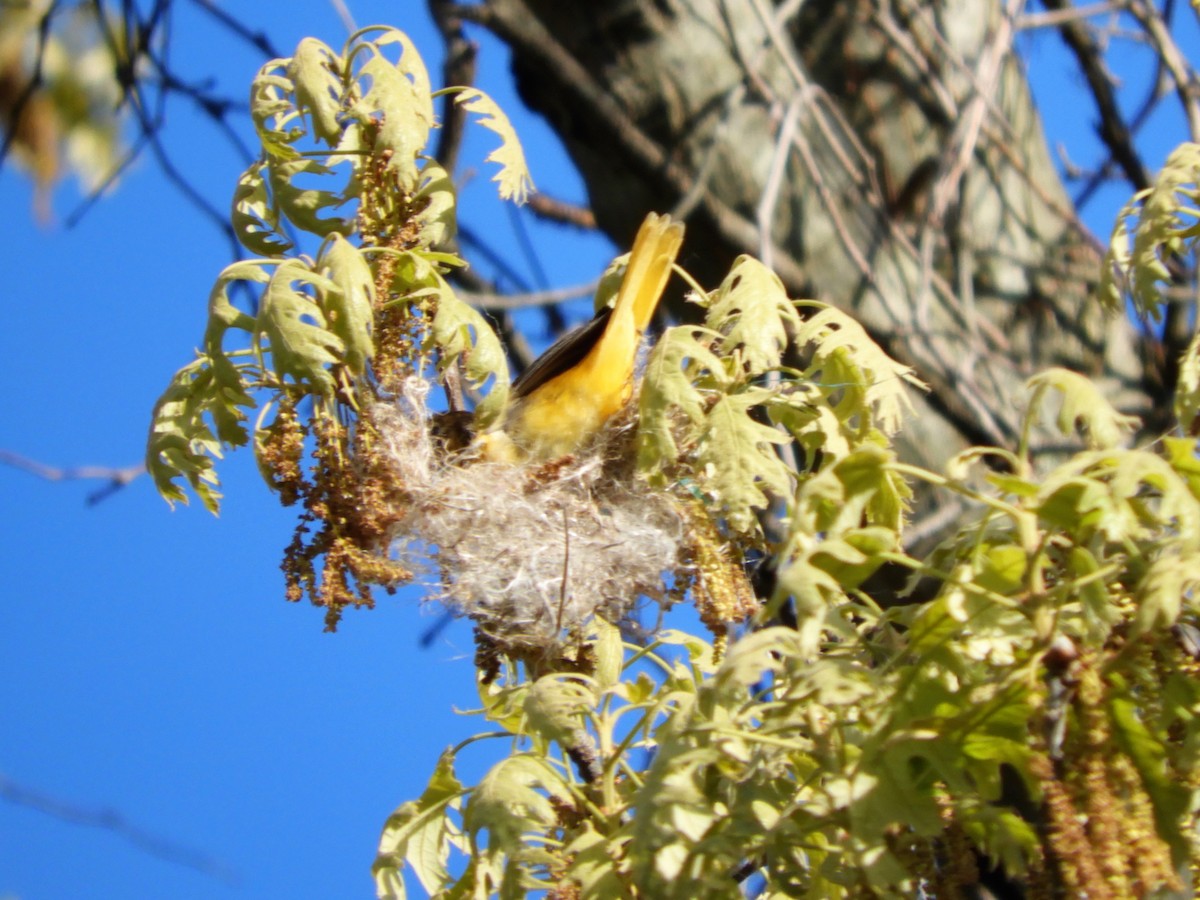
(35, 81)
(116, 478)
(343, 11)
(1056, 17)
(554, 210)
(458, 70)
(113, 821)
(256, 39)
(1113, 130)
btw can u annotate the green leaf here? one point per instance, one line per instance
(460, 332)
(314, 70)
(1084, 408)
(302, 205)
(418, 833)
(1166, 224)
(512, 799)
(593, 863)
(181, 445)
(397, 103)
(751, 308)
(255, 219)
(556, 706)
(513, 177)
(737, 459)
(669, 384)
(610, 653)
(272, 110)
(1160, 595)
(297, 335)
(845, 359)
(350, 309)
(1187, 389)
(209, 389)
(437, 202)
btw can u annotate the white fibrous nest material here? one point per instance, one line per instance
(528, 552)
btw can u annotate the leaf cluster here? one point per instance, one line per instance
(342, 171)
(1039, 713)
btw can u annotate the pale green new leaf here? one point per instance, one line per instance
(296, 332)
(669, 384)
(513, 177)
(398, 102)
(739, 467)
(303, 205)
(419, 833)
(751, 308)
(211, 389)
(1162, 591)
(845, 358)
(460, 332)
(180, 444)
(437, 202)
(272, 109)
(222, 314)
(255, 219)
(1187, 388)
(1167, 220)
(1122, 494)
(512, 800)
(1084, 408)
(593, 864)
(1114, 270)
(314, 71)
(350, 308)
(609, 648)
(556, 706)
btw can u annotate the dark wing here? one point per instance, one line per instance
(565, 353)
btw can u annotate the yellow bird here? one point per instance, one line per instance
(586, 377)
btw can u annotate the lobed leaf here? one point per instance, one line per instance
(303, 205)
(1187, 389)
(397, 103)
(460, 332)
(513, 177)
(255, 219)
(845, 358)
(297, 335)
(1084, 410)
(752, 310)
(314, 72)
(677, 364)
(419, 834)
(350, 307)
(737, 463)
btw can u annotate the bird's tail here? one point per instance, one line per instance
(649, 267)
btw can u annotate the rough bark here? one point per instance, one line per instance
(881, 155)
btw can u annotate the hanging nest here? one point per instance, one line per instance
(529, 553)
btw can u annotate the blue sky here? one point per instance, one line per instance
(148, 662)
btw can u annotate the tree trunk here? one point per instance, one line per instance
(882, 155)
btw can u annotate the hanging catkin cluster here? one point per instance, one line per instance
(529, 553)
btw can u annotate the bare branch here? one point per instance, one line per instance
(343, 11)
(459, 71)
(116, 478)
(256, 39)
(1055, 18)
(554, 210)
(1113, 130)
(495, 301)
(113, 821)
